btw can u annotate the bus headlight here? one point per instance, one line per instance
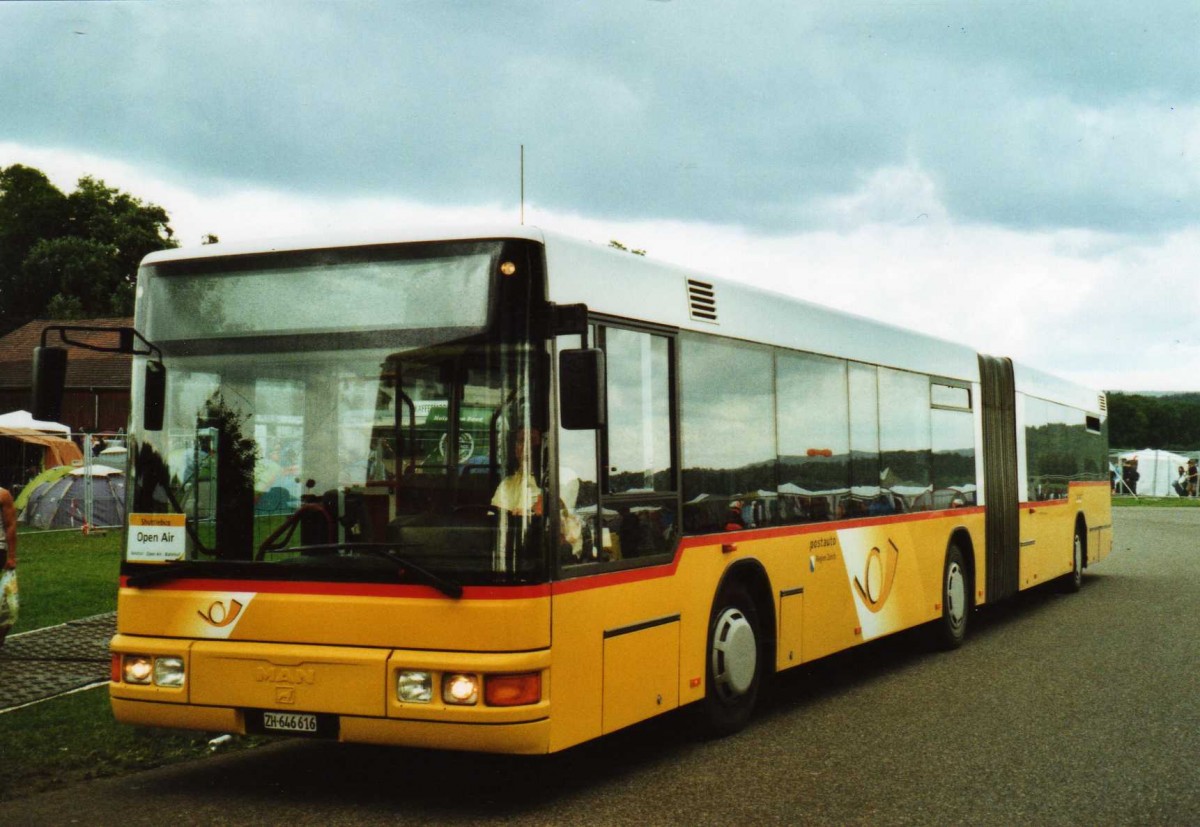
(414, 686)
(461, 690)
(168, 672)
(138, 669)
(143, 670)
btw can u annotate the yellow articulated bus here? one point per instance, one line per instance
(501, 490)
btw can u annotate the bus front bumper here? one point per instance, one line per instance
(358, 694)
(529, 738)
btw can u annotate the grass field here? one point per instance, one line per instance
(65, 575)
(74, 738)
(1157, 502)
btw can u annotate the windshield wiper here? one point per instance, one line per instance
(442, 584)
(159, 574)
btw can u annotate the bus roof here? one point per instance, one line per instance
(618, 283)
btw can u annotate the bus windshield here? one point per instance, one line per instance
(323, 460)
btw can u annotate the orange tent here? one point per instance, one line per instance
(58, 451)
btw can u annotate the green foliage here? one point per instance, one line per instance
(71, 256)
(1170, 422)
(1156, 502)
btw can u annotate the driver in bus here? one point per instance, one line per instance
(520, 495)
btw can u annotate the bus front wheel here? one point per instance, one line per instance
(734, 662)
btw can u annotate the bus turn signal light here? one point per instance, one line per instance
(513, 690)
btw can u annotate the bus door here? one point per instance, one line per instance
(619, 501)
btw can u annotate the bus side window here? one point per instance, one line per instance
(617, 484)
(577, 480)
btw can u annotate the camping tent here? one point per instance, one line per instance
(60, 504)
(1157, 471)
(29, 445)
(46, 477)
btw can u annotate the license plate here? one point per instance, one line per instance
(290, 722)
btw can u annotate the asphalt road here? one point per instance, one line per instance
(1079, 709)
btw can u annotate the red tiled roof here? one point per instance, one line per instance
(85, 368)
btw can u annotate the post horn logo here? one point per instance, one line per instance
(879, 573)
(219, 616)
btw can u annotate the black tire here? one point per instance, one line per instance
(951, 630)
(1072, 581)
(734, 662)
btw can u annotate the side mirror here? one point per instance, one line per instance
(49, 379)
(583, 404)
(155, 387)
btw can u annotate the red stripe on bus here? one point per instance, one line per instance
(615, 578)
(837, 525)
(1044, 503)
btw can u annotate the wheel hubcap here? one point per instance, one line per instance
(734, 654)
(956, 594)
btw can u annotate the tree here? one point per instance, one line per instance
(71, 256)
(1169, 421)
(31, 209)
(76, 278)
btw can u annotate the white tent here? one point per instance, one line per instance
(24, 419)
(1157, 471)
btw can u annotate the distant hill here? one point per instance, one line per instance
(1154, 420)
(1182, 396)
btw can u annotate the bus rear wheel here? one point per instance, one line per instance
(734, 662)
(1072, 581)
(951, 629)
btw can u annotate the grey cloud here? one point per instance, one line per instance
(739, 113)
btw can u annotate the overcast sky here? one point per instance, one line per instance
(1022, 177)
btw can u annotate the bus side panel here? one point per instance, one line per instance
(632, 610)
(833, 586)
(1094, 500)
(1048, 531)
(893, 572)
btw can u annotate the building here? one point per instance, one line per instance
(97, 385)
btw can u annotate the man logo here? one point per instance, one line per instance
(285, 694)
(217, 615)
(879, 574)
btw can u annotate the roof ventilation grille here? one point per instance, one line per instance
(702, 301)
(1103, 403)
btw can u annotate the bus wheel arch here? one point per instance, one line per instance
(738, 648)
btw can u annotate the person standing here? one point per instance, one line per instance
(9, 602)
(1129, 475)
(1193, 478)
